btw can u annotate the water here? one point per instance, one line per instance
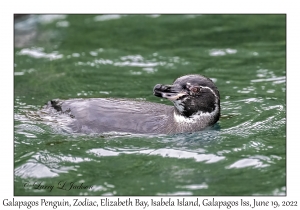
(124, 56)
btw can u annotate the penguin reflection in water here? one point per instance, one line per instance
(196, 102)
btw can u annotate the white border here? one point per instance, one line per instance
(154, 6)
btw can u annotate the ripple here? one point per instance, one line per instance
(251, 100)
(194, 186)
(21, 73)
(97, 188)
(247, 162)
(38, 53)
(28, 135)
(46, 19)
(106, 17)
(222, 52)
(63, 24)
(275, 80)
(136, 61)
(176, 193)
(260, 115)
(34, 170)
(209, 158)
(148, 65)
(191, 16)
(266, 75)
(172, 153)
(43, 164)
(248, 89)
(276, 107)
(29, 128)
(281, 191)
(258, 161)
(103, 152)
(153, 16)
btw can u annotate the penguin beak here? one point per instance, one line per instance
(171, 92)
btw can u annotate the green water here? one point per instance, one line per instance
(83, 56)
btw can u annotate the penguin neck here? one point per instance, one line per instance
(196, 117)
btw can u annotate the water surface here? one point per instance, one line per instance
(124, 56)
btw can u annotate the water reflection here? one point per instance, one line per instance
(26, 28)
(222, 52)
(147, 65)
(169, 153)
(34, 170)
(246, 162)
(38, 53)
(107, 17)
(275, 80)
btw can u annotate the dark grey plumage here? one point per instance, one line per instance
(196, 106)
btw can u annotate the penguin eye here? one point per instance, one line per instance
(195, 89)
